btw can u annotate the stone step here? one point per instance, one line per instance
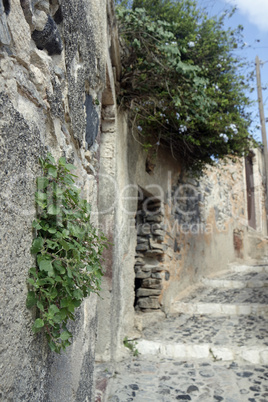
(238, 280)
(248, 268)
(218, 308)
(205, 300)
(215, 337)
(146, 379)
(254, 355)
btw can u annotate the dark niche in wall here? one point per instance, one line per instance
(49, 38)
(92, 121)
(6, 4)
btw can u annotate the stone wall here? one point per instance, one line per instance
(56, 70)
(207, 224)
(169, 231)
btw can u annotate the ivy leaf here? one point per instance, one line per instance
(31, 299)
(36, 225)
(59, 267)
(53, 309)
(46, 265)
(65, 245)
(52, 171)
(64, 302)
(69, 166)
(53, 209)
(38, 324)
(37, 245)
(62, 161)
(65, 335)
(40, 306)
(78, 294)
(42, 183)
(39, 196)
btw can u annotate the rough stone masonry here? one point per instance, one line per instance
(53, 62)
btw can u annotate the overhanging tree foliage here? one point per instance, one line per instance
(181, 80)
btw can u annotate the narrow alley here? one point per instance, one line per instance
(212, 347)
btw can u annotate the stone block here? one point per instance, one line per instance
(154, 218)
(146, 303)
(142, 240)
(142, 292)
(148, 267)
(142, 274)
(144, 229)
(156, 245)
(156, 275)
(154, 253)
(158, 232)
(152, 283)
(142, 247)
(159, 239)
(139, 261)
(156, 226)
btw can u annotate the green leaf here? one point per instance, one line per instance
(46, 265)
(61, 316)
(41, 204)
(52, 171)
(52, 230)
(31, 281)
(42, 183)
(78, 294)
(65, 302)
(65, 245)
(40, 306)
(37, 245)
(39, 323)
(53, 209)
(53, 309)
(65, 335)
(39, 196)
(69, 166)
(36, 225)
(51, 159)
(59, 267)
(62, 161)
(31, 299)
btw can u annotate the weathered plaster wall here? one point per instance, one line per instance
(208, 224)
(53, 63)
(204, 223)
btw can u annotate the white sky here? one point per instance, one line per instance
(255, 10)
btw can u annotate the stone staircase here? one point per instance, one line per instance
(212, 347)
(225, 318)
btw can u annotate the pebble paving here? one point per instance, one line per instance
(243, 331)
(160, 378)
(152, 379)
(232, 296)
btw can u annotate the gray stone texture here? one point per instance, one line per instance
(44, 85)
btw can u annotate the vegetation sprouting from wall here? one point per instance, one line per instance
(68, 253)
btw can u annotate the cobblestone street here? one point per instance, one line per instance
(213, 347)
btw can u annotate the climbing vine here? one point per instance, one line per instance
(180, 81)
(68, 252)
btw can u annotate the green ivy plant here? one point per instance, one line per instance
(131, 345)
(181, 81)
(68, 252)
